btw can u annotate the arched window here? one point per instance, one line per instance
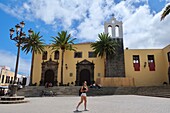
(2, 80)
(110, 30)
(117, 31)
(7, 79)
(56, 55)
(11, 81)
(44, 57)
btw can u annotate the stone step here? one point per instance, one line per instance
(164, 96)
(34, 91)
(12, 99)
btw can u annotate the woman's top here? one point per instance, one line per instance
(84, 89)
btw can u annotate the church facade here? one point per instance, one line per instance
(78, 66)
(147, 67)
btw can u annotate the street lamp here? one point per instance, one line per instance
(19, 38)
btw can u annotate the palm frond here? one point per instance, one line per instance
(62, 41)
(105, 45)
(166, 12)
(33, 44)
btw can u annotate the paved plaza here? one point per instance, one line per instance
(98, 104)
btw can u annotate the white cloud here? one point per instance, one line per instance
(85, 19)
(9, 59)
(26, 6)
(145, 30)
(167, 0)
(136, 28)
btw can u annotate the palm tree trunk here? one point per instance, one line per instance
(62, 62)
(31, 72)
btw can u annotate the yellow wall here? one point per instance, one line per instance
(9, 73)
(36, 77)
(165, 51)
(116, 81)
(144, 77)
(71, 63)
(6, 73)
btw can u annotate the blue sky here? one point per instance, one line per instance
(84, 19)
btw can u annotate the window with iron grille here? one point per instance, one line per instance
(56, 55)
(151, 62)
(78, 55)
(44, 57)
(92, 55)
(136, 62)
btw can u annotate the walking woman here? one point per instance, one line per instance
(83, 90)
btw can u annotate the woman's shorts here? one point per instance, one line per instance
(83, 94)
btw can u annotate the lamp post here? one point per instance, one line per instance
(19, 38)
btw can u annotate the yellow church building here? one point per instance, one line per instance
(136, 67)
(148, 67)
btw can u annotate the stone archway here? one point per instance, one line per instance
(49, 72)
(49, 77)
(84, 71)
(84, 76)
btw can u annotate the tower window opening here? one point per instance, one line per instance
(117, 31)
(110, 30)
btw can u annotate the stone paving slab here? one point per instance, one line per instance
(98, 104)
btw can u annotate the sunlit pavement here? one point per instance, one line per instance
(98, 104)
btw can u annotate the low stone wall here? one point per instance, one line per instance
(116, 81)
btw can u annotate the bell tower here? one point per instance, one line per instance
(114, 28)
(115, 63)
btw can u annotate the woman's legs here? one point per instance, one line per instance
(79, 103)
(85, 102)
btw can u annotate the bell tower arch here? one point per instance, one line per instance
(116, 28)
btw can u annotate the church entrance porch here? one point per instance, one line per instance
(49, 77)
(84, 72)
(84, 76)
(49, 72)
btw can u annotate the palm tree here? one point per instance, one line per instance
(104, 46)
(166, 12)
(34, 44)
(64, 42)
